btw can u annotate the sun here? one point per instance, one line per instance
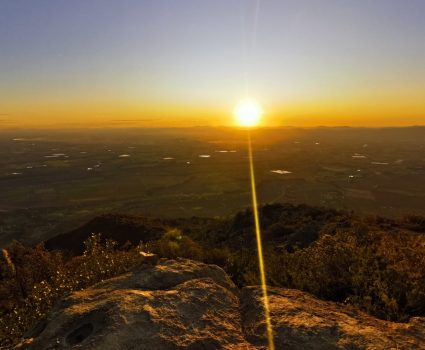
(248, 113)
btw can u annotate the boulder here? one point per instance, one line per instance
(301, 321)
(183, 304)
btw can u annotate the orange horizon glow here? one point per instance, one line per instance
(366, 110)
(175, 115)
(369, 108)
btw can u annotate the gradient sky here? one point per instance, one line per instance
(188, 62)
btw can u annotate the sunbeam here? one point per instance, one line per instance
(260, 247)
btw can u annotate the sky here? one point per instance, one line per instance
(128, 63)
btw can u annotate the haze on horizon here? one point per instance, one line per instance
(184, 63)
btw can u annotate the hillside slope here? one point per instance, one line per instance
(373, 264)
(286, 225)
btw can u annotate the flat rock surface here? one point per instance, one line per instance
(183, 304)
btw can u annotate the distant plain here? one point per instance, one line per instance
(53, 180)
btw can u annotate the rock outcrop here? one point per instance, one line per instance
(183, 304)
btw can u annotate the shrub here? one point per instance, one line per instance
(380, 273)
(175, 244)
(41, 277)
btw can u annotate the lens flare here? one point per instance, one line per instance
(269, 328)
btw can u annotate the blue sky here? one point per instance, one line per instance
(304, 60)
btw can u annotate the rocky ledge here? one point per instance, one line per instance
(184, 304)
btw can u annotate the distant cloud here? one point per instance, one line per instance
(4, 120)
(134, 120)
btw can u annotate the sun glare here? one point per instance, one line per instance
(248, 113)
